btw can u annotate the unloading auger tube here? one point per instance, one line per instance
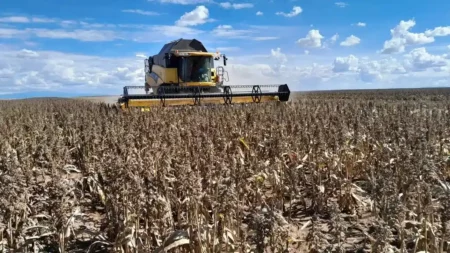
(194, 95)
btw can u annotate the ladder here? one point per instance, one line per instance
(221, 73)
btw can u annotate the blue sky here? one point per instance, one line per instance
(96, 47)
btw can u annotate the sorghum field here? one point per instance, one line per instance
(354, 171)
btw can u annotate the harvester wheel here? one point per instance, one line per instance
(256, 94)
(228, 95)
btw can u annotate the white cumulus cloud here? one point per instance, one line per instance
(438, 31)
(295, 11)
(278, 55)
(420, 60)
(313, 39)
(228, 5)
(195, 17)
(344, 64)
(141, 12)
(402, 37)
(370, 72)
(350, 41)
(48, 70)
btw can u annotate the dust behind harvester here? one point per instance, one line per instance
(183, 73)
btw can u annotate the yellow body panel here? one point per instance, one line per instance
(213, 74)
(161, 75)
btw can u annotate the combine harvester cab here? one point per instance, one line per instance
(183, 73)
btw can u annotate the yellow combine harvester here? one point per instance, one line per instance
(183, 73)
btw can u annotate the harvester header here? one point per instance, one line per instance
(183, 73)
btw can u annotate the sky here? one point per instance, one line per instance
(80, 47)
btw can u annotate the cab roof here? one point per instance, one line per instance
(183, 45)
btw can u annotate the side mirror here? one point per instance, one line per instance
(225, 60)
